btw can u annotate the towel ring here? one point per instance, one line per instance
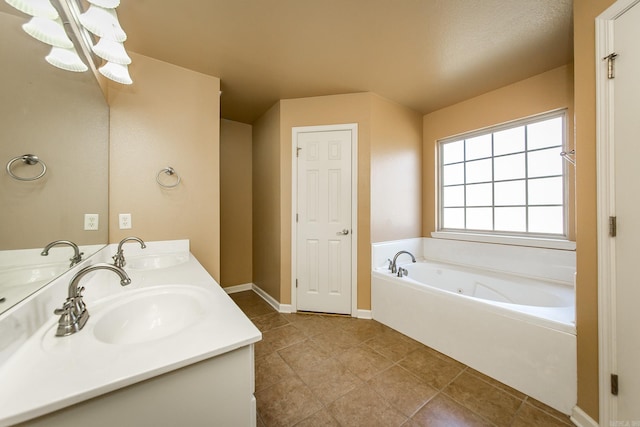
(28, 159)
(169, 171)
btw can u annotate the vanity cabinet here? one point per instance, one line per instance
(214, 392)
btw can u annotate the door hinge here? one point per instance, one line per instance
(614, 384)
(296, 283)
(296, 217)
(613, 226)
(610, 64)
(298, 151)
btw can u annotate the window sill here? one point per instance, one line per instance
(565, 245)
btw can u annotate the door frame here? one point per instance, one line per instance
(605, 146)
(353, 127)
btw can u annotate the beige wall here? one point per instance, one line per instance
(584, 14)
(393, 142)
(169, 117)
(327, 110)
(396, 171)
(236, 229)
(266, 197)
(538, 94)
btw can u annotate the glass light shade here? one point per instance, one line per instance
(107, 4)
(40, 8)
(67, 59)
(117, 72)
(111, 51)
(48, 31)
(103, 23)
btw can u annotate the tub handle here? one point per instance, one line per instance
(344, 232)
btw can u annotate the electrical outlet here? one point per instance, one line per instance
(125, 221)
(91, 221)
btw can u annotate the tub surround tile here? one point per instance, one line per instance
(364, 407)
(442, 411)
(403, 390)
(483, 398)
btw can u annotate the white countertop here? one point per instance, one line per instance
(48, 373)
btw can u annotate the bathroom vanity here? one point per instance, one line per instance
(171, 348)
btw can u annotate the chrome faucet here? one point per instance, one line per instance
(394, 267)
(74, 314)
(77, 255)
(118, 258)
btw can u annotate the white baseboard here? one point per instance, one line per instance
(239, 288)
(268, 298)
(364, 314)
(581, 419)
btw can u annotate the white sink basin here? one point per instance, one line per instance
(151, 262)
(149, 314)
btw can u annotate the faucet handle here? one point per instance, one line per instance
(65, 308)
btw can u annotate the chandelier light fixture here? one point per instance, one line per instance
(100, 35)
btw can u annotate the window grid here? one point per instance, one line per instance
(526, 179)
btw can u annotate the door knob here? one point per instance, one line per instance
(343, 232)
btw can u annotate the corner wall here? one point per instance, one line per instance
(266, 203)
(236, 229)
(169, 117)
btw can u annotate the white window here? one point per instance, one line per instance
(507, 180)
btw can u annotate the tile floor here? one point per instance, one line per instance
(323, 370)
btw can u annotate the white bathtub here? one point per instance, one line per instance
(517, 330)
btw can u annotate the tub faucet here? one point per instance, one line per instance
(394, 267)
(77, 255)
(74, 314)
(118, 258)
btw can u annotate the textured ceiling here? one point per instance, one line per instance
(425, 54)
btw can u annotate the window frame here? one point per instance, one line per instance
(514, 237)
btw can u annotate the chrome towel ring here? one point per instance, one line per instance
(28, 159)
(169, 171)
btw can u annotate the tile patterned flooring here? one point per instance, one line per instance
(323, 370)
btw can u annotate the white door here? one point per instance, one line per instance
(323, 228)
(627, 203)
(622, 321)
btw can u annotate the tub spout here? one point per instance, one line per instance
(394, 265)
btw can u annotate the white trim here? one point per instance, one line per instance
(238, 288)
(365, 314)
(353, 127)
(566, 245)
(605, 146)
(581, 419)
(268, 298)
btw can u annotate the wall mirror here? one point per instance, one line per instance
(63, 118)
